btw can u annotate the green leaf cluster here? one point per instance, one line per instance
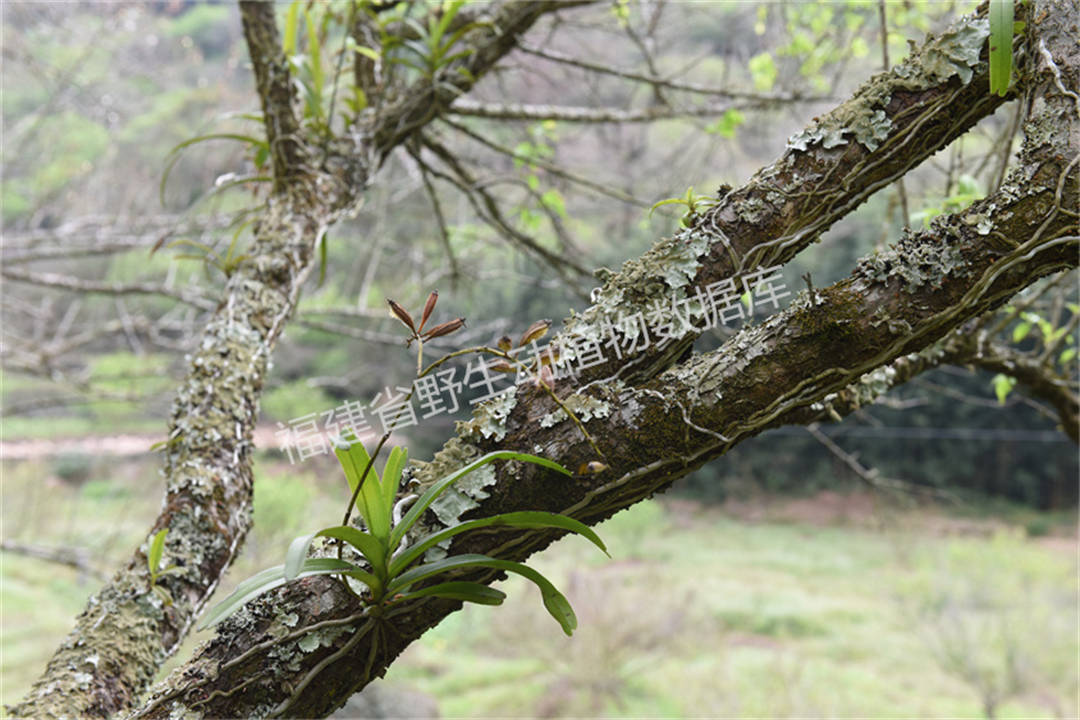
(433, 49)
(394, 570)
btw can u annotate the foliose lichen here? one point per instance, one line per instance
(489, 419)
(856, 117)
(663, 271)
(916, 264)
(455, 454)
(585, 407)
(464, 495)
(953, 52)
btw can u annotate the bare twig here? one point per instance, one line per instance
(75, 557)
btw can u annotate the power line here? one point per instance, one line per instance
(925, 433)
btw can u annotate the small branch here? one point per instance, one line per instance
(655, 80)
(563, 113)
(550, 167)
(73, 557)
(66, 282)
(901, 191)
(444, 232)
(870, 475)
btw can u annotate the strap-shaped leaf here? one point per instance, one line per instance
(424, 502)
(391, 477)
(296, 555)
(525, 519)
(314, 51)
(174, 154)
(157, 547)
(460, 32)
(1001, 35)
(354, 458)
(288, 40)
(366, 543)
(556, 603)
(271, 578)
(459, 590)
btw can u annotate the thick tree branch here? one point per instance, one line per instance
(272, 81)
(428, 98)
(891, 124)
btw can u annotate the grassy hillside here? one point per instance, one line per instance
(832, 606)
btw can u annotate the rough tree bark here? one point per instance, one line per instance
(655, 418)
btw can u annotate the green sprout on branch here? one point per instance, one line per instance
(153, 564)
(694, 205)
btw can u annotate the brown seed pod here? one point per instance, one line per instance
(505, 343)
(536, 331)
(401, 314)
(428, 307)
(503, 367)
(445, 328)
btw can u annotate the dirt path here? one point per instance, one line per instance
(119, 445)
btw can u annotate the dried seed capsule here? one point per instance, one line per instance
(505, 343)
(401, 314)
(536, 331)
(445, 328)
(428, 307)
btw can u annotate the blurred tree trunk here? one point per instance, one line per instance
(654, 416)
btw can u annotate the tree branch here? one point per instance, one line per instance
(532, 113)
(272, 81)
(669, 83)
(74, 557)
(66, 282)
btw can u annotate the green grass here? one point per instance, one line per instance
(697, 614)
(720, 618)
